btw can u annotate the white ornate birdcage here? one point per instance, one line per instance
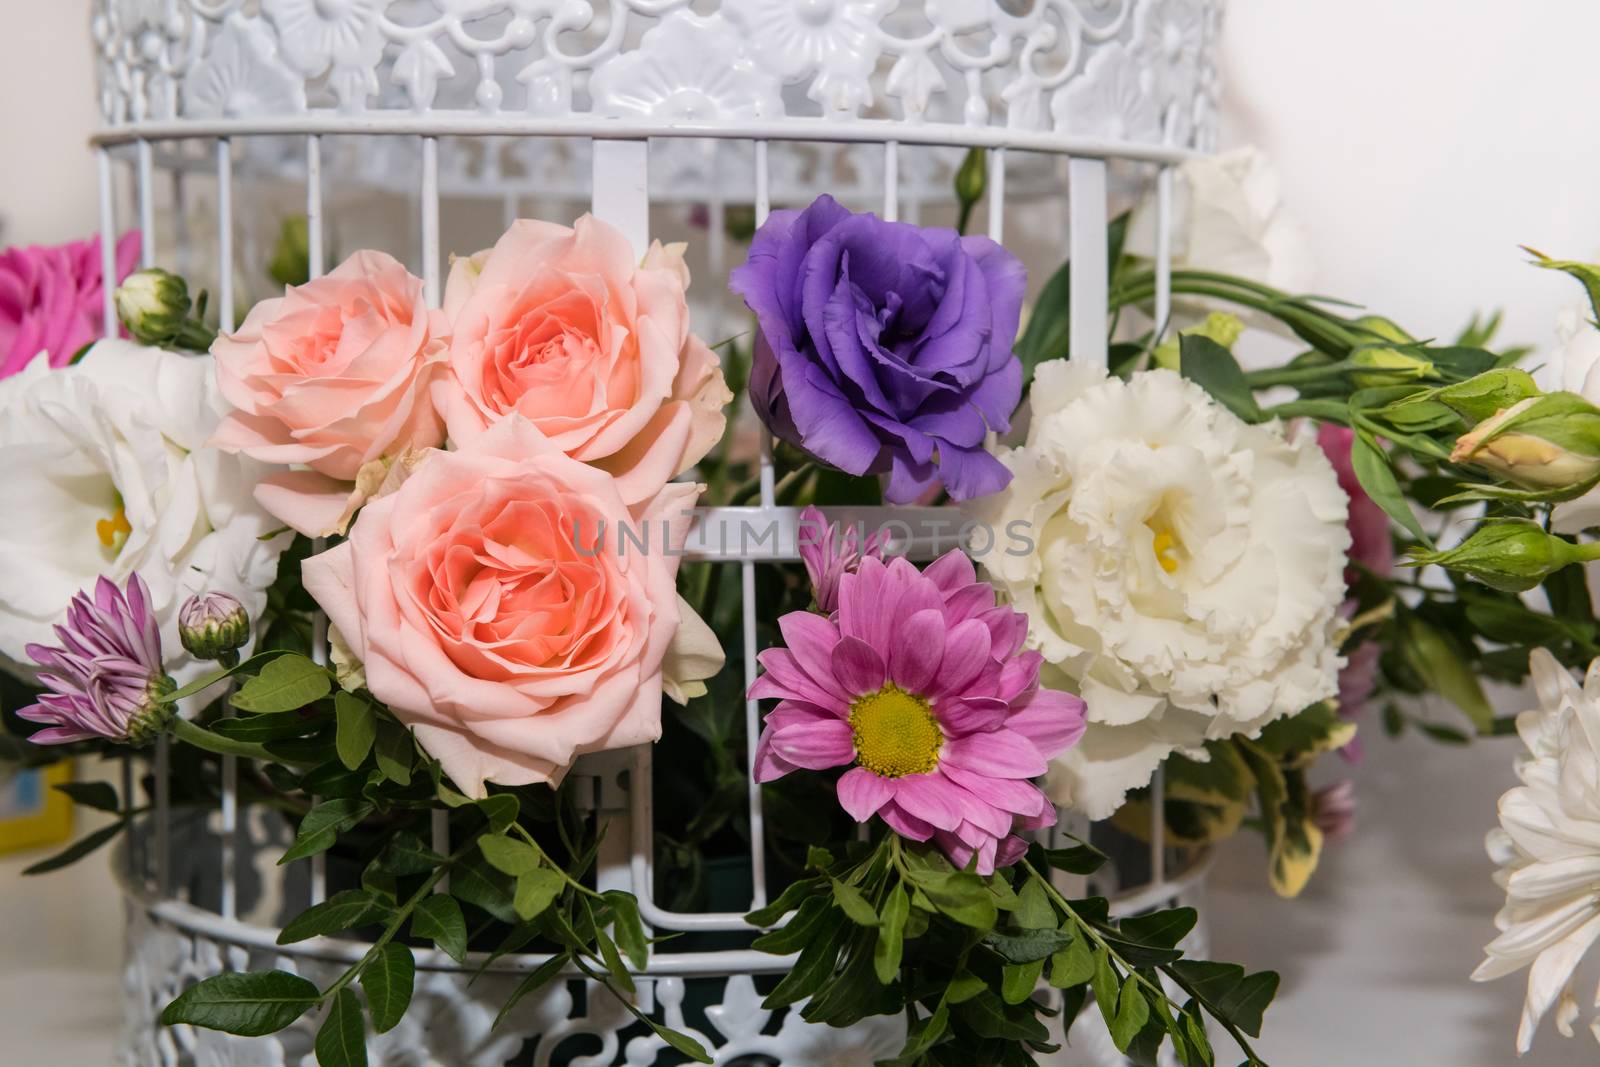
(653, 114)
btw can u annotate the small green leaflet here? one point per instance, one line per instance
(285, 684)
(251, 1004)
(342, 1040)
(323, 824)
(388, 982)
(357, 728)
(515, 858)
(343, 910)
(439, 919)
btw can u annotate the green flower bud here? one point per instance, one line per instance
(1385, 329)
(971, 179)
(1219, 326)
(1549, 442)
(1483, 395)
(1382, 365)
(1512, 556)
(153, 304)
(213, 626)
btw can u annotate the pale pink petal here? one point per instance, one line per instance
(768, 764)
(1051, 719)
(816, 746)
(862, 793)
(857, 666)
(967, 715)
(931, 798)
(915, 650)
(951, 571)
(810, 639)
(966, 652)
(1000, 753)
(1016, 795)
(902, 822)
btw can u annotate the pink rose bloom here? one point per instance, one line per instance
(564, 327)
(51, 299)
(1372, 547)
(333, 376)
(490, 620)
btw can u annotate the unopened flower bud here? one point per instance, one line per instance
(1381, 365)
(1549, 442)
(1483, 395)
(291, 256)
(1512, 556)
(213, 626)
(153, 304)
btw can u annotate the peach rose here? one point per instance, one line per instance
(333, 376)
(563, 327)
(490, 618)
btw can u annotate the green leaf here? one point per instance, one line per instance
(613, 960)
(505, 854)
(77, 850)
(406, 855)
(1018, 980)
(628, 928)
(357, 728)
(323, 824)
(887, 951)
(1588, 275)
(267, 728)
(285, 684)
(1442, 664)
(682, 1042)
(501, 811)
(536, 979)
(1231, 994)
(343, 910)
(1213, 368)
(1159, 929)
(989, 1018)
(853, 904)
(388, 982)
(342, 1040)
(536, 889)
(1104, 984)
(1082, 858)
(1029, 946)
(1034, 910)
(793, 895)
(963, 987)
(394, 750)
(473, 881)
(812, 915)
(961, 896)
(1072, 965)
(1372, 470)
(1132, 1014)
(249, 1004)
(101, 796)
(438, 918)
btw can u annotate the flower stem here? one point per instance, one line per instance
(201, 738)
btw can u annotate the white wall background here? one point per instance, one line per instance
(1420, 142)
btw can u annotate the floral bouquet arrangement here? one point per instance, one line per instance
(1169, 563)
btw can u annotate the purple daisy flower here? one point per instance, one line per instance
(105, 679)
(920, 681)
(830, 553)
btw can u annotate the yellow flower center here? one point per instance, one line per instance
(115, 530)
(1166, 548)
(895, 733)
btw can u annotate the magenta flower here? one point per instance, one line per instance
(919, 681)
(830, 553)
(105, 679)
(51, 300)
(1333, 810)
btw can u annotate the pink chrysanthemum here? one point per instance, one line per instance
(830, 553)
(919, 681)
(105, 680)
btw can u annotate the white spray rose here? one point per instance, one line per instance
(1228, 216)
(1186, 575)
(1577, 370)
(107, 473)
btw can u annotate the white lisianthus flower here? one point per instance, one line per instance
(1186, 572)
(107, 473)
(1577, 370)
(1548, 848)
(1228, 216)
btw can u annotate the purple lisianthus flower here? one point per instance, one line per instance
(885, 347)
(105, 680)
